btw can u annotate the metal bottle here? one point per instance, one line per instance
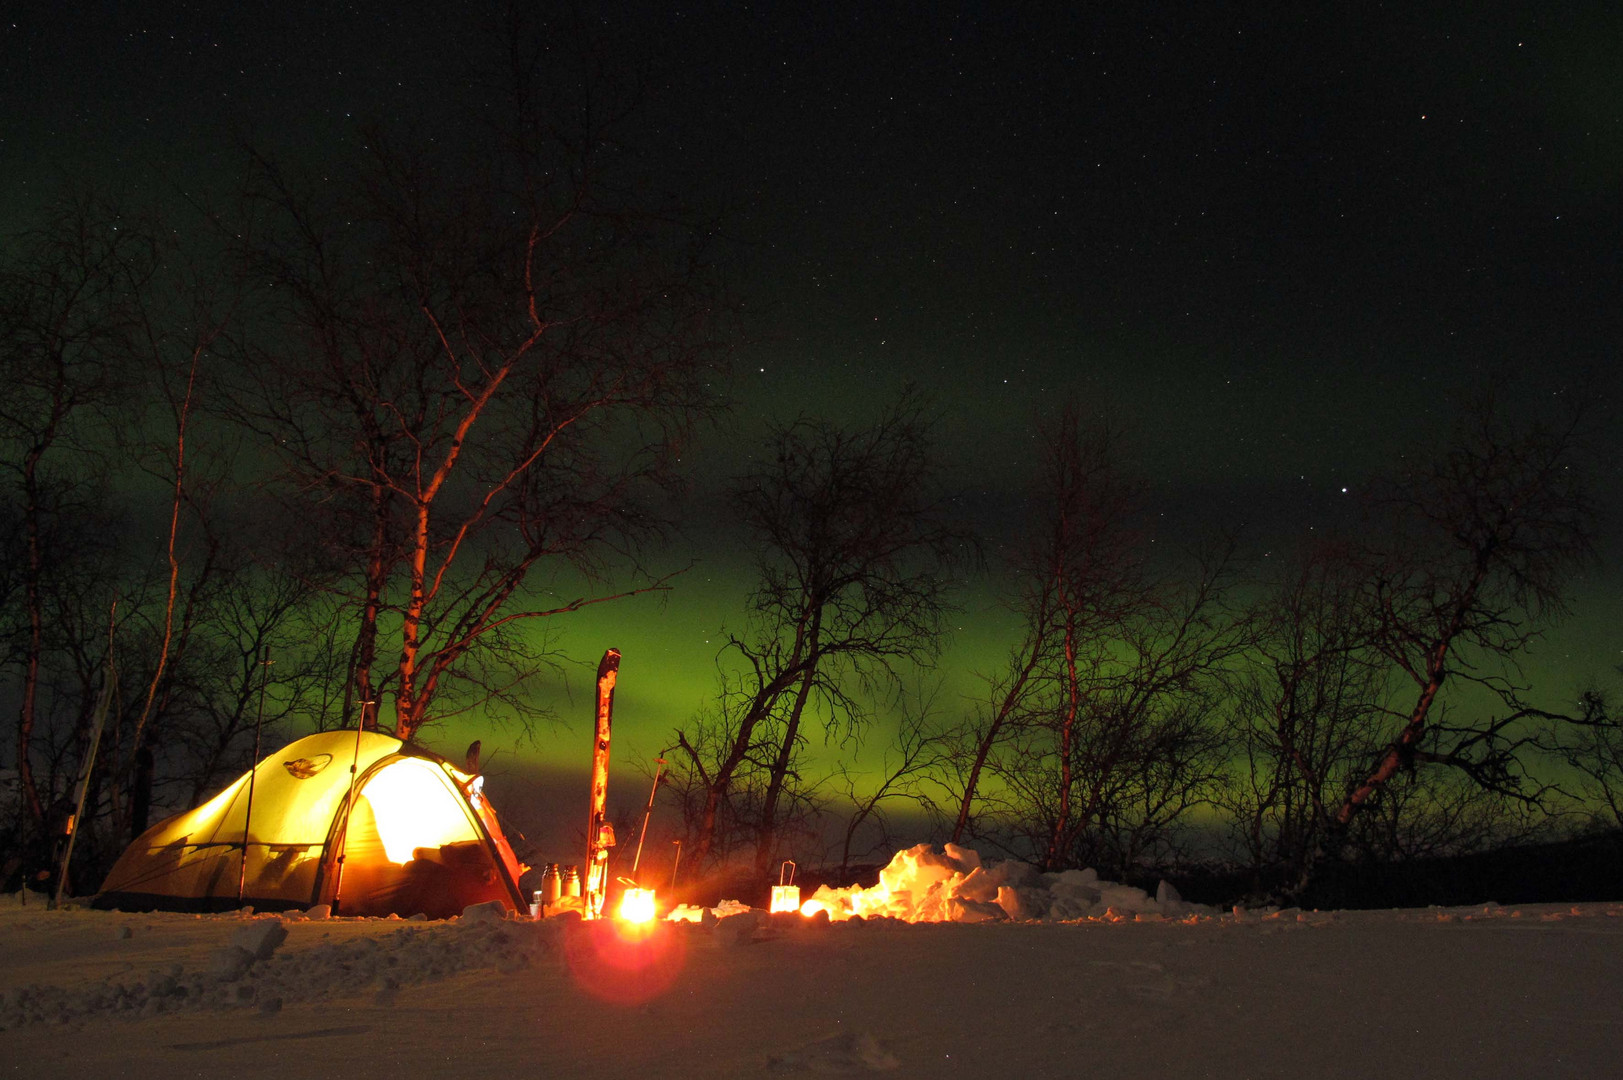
(551, 883)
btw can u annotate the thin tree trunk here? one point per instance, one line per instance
(1059, 839)
(1391, 760)
(366, 635)
(177, 497)
(407, 708)
(721, 780)
(36, 639)
(1414, 728)
(766, 837)
(989, 738)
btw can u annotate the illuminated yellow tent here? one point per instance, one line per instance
(422, 838)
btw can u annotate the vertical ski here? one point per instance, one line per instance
(599, 833)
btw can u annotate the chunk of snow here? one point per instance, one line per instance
(231, 963)
(737, 929)
(979, 885)
(1125, 897)
(1022, 903)
(961, 909)
(489, 911)
(966, 858)
(261, 938)
(1063, 908)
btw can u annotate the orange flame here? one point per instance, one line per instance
(636, 906)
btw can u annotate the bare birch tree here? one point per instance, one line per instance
(68, 303)
(1096, 740)
(478, 361)
(1304, 702)
(854, 551)
(1473, 561)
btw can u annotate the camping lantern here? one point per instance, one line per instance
(785, 894)
(637, 905)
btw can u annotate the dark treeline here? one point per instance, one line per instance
(1358, 700)
(323, 451)
(325, 454)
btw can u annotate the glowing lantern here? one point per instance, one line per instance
(637, 905)
(785, 896)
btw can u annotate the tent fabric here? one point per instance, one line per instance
(421, 838)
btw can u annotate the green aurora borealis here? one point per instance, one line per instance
(1269, 247)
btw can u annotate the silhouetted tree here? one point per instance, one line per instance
(1096, 739)
(909, 767)
(1472, 561)
(1591, 744)
(1304, 704)
(477, 359)
(69, 302)
(854, 555)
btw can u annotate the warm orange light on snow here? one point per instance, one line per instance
(637, 906)
(624, 963)
(917, 885)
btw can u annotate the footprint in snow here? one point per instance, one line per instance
(835, 1056)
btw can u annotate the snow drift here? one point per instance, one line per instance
(921, 884)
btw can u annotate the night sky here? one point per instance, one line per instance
(1270, 241)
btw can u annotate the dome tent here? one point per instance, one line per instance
(421, 838)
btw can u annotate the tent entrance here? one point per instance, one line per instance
(412, 845)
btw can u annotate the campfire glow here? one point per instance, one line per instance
(636, 906)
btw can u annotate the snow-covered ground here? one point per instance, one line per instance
(1464, 992)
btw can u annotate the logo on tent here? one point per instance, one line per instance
(305, 767)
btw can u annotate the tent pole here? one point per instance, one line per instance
(349, 807)
(248, 818)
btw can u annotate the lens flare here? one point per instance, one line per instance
(636, 906)
(624, 963)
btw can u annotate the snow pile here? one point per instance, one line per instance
(923, 885)
(254, 972)
(696, 913)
